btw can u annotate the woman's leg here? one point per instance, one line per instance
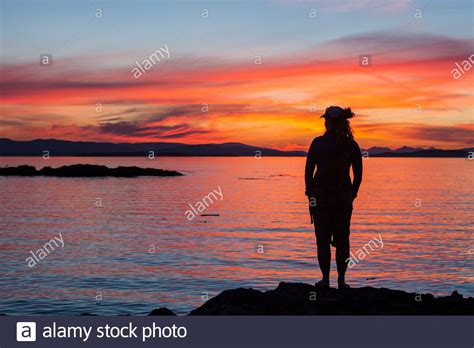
(324, 259)
(342, 255)
(322, 228)
(343, 245)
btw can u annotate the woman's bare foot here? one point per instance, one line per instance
(323, 283)
(342, 285)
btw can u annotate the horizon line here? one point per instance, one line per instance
(235, 142)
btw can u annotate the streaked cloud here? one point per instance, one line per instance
(275, 103)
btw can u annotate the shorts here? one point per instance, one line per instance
(332, 220)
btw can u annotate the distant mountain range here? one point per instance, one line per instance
(79, 148)
(407, 151)
(55, 147)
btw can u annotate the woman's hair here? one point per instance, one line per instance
(341, 127)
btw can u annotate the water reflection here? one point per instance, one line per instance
(139, 251)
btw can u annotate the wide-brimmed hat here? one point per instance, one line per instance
(336, 112)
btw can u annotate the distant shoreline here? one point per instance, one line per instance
(143, 155)
(382, 155)
(63, 148)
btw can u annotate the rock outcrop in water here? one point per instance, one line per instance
(161, 311)
(305, 299)
(86, 170)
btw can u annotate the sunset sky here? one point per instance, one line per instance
(212, 89)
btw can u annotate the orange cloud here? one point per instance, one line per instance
(270, 104)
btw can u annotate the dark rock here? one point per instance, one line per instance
(161, 311)
(22, 170)
(305, 299)
(87, 315)
(86, 170)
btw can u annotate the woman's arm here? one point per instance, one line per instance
(356, 170)
(309, 169)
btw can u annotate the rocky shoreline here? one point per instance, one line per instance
(305, 299)
(86, 170)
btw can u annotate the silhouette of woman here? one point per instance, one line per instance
(331, 192)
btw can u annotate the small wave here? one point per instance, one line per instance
(252, 178)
